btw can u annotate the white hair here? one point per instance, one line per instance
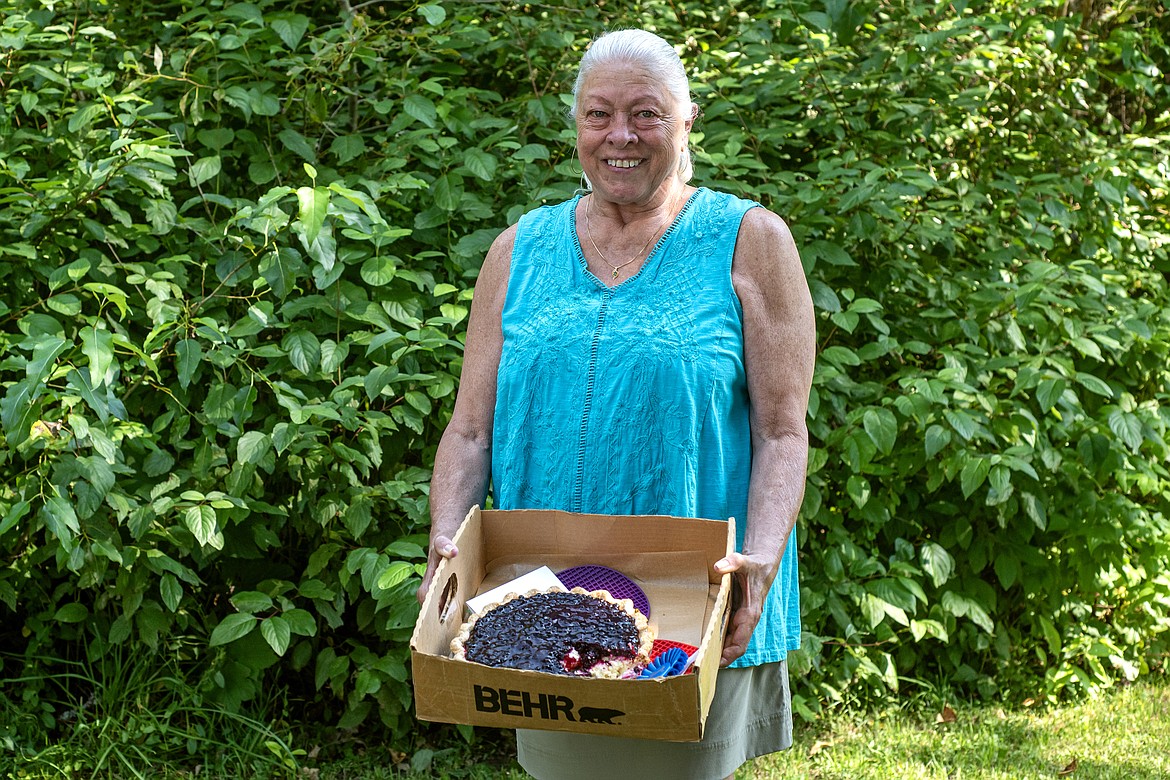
(650, 52)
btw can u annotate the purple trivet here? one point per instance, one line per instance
(594, 577)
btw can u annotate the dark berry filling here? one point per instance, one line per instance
(561, 633)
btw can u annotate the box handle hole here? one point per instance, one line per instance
(447, 598)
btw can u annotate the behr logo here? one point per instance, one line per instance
(547, 706)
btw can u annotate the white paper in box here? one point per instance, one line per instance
(541, 579)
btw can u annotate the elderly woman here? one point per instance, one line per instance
(646, 348)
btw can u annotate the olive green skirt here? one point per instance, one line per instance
(751, 715)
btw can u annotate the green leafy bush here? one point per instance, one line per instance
(237, 242)
(980, 223)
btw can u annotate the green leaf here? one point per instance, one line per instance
(937, 439)
(14, 515)
(920, 629)
(1094, 385)
(281, 269)
(171, 591)
(276, 633)
(284, 434)
(66, 303)
(962, 606)
(1109, 193)
(404, 549)
(333, 355)
(204, 169)
(418, 401)
(297, 144)
(481, 164)
(201, 522)
(448, 191)
(832, 253)
(962, 423)
(858, 489)
(252, 447)
(395, 573)
(434, 13)
(300, 622)
(1127, 427)
(231, 628)
(71, 613)
(18, 409)
(531, 152)
(314, 205)
(377, 380)
(973, 474)
(347, 147)
(120, 630)
(188, 354)
(263, 103)
(44, 358)
(252, 601)
(98, 346)
(1035, 510)
(818, 20)
(1049, 392)
(324, 252)
(1051, 635)
(873, 609)
(97, 472)
(304, 350)
(421, 108)
(61, 519)
(1007, 569)
(108, 293)
(937, 562)
(841, 355)
(289, 27)
(379, 271)
(882, 427)
(84, 116)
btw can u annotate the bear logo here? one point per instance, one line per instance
(598, 715)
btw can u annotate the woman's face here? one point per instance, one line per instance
(630, 134)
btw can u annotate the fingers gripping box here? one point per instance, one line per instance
(670, 558)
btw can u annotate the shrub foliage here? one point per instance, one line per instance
(237, 242)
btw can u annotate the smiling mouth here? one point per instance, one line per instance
(623, 163)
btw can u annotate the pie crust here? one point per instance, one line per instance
(607, 662)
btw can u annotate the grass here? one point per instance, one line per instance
(1123, 734)
(118, 716)
(1120, 735)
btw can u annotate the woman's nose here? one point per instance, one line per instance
(621, 131)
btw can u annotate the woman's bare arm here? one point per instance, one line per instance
(779, 354)
(463, 461)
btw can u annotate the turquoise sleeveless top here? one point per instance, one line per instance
(632, 400)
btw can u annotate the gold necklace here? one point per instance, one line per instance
(596, 248)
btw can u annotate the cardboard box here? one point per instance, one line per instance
(670, 558)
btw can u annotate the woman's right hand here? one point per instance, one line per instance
(441, 547)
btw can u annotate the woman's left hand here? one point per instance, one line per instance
(751, 575)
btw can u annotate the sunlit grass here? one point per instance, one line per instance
(1121, 735)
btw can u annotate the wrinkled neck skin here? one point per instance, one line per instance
(606, 214)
